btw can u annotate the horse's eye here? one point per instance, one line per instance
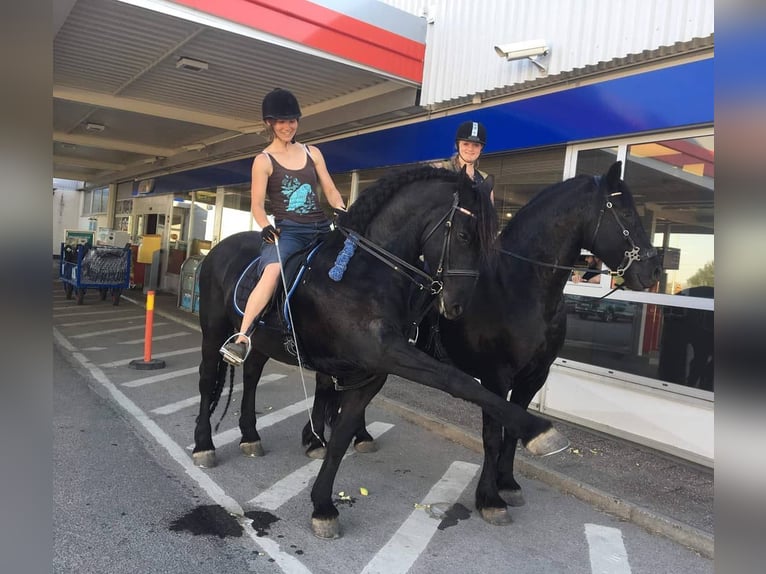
(463, 236)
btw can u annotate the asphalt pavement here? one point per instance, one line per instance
(659, 492)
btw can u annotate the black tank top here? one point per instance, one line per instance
(292, 193)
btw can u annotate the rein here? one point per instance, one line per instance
(631, 255)
(419, 277)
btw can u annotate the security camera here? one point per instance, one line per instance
(519, 50)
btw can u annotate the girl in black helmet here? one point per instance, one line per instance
(470, 139)
(288, 173)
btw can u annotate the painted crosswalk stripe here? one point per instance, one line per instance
(294, 483)
(165, 376)
(191, 401)
(407, 543)
(124, 362)
(606, 550)
(234, 434)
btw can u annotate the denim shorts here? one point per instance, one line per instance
(292, 237)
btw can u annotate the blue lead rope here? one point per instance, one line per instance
(341, 262)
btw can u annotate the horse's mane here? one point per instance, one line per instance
(374, 197)
(364, 209)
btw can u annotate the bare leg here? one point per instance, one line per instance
(259, 297)
(236, 352)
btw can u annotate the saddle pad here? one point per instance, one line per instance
(245, 285)
(293, 270)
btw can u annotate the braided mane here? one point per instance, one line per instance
(361, 213)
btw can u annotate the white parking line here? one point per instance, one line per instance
(79, 312)
(191, 401)
(292, 485)
(158, 337)
(287, 562)
(185, 403)
(265, 421)
(88, 323)
(160, 377)
(110, 331)
(156, 356)
(407, 543)
(606, 549)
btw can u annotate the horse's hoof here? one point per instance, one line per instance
(204, 458)
(366, 446)
(513, 497)
(327, 529)
(496, 516)
(251, 448)
(547, 443)
(317, 453)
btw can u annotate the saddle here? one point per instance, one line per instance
(276, 314)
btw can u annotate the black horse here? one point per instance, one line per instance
(355, 329)
(515, 325)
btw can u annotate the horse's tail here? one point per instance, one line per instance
(220, 383)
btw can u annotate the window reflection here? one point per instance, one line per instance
(672, 344)
(673, 181)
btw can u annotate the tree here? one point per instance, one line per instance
(703, 276)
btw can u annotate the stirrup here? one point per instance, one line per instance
(228, 356)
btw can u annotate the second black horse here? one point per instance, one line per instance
(515, 325)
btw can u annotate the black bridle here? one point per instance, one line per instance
(630, 255)
(419, 277)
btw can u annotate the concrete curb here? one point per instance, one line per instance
(683, 534)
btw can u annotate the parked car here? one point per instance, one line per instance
(605, 309)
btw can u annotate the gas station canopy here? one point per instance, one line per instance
(149, 87)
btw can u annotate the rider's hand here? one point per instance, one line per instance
(269, 234)
(337, 213)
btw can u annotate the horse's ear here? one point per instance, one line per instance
(614, 175)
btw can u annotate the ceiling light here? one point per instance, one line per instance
(191, 64)
(91, 127)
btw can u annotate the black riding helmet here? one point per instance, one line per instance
(280, 104)
(471, 132)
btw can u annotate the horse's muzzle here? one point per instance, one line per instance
(450, 312)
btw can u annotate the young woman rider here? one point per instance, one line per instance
(289, 174)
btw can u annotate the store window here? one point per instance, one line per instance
(95, 201)
(236, 215)
(664, 335)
